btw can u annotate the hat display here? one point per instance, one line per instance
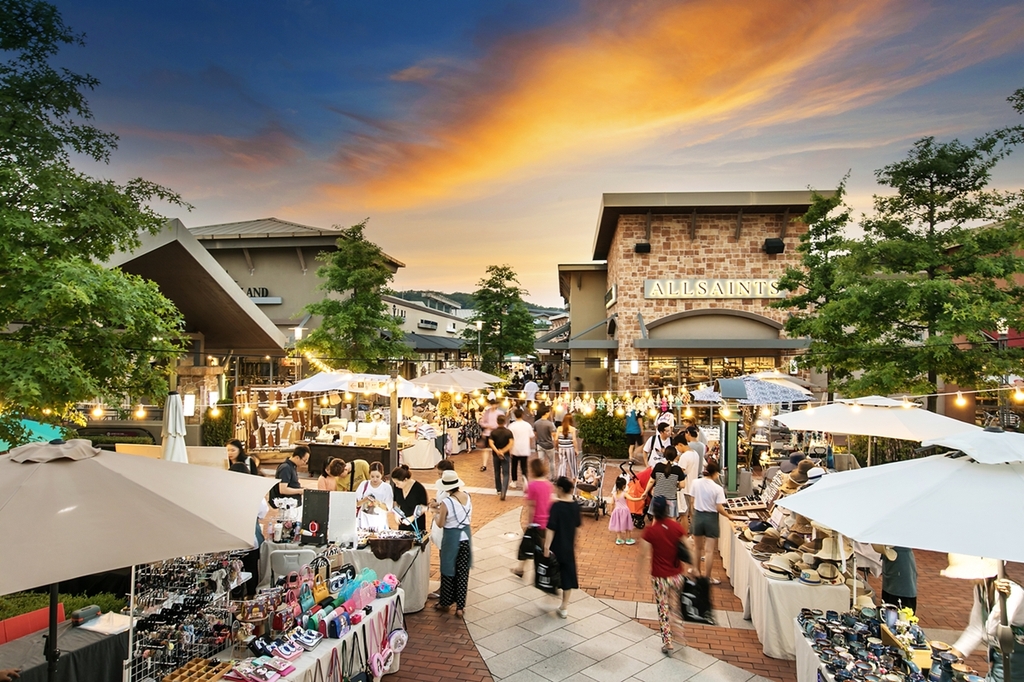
(802, 525)
(864, 601)
(747, 535)
(967, 567)
(809, 576)
(811, 546)
(778, 568)
(799, 476)
(793, 557)
(793, 540)
(449, 481)
(829, 574)
(769, 544)
(759, 526)
(789, 486)
(832, 551)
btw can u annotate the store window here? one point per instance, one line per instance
(667, 371)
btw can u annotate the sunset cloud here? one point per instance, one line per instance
(269, 148)
(630, 73)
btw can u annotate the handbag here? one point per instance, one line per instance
(292, 581)
(683, 551)
(338, 626)
(320, 590)
(334, 667)
(398, 638)
(380, 662)
(357, 668)
(436, 534)
(306, 600)
(336, 582)
(546, 573)
(283, 618)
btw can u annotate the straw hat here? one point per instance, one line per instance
(789, 486)
(769, 544)
(821, 530)
(809, 576)
(815, 474)
(830, 574)
(793, 557)
(861, 586)
(449, 481)
(809, 558)
(793, 540)
(801, 525)
(799, 476)
(778, 568)
(967, 567)
(832, 551)
(810, 546)
(864, 601)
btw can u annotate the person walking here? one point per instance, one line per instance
(568, 447)
(500, 442)
(523, 444)
(691, 461)
(659, 553)
(634, 435)
(657, 443)
(560, 539)
(454, 515)
(666, 481)
(545, 438)
(535, 510)
(488, 422)
(708, 503)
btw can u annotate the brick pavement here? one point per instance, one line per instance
(441, 648)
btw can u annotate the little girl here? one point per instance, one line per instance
(620, 521)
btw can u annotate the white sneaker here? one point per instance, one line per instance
(562, 613)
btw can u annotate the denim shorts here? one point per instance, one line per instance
(705, 524)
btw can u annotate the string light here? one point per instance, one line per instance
(97, 412)
(323, 400)
(348, 397)
(1018, 395)
(47, 411)
(215, 411)
(725, 411)
(246, 410)
(906, 404)
(140, 413)
(688, 412)
(302, 404)
(960, 399)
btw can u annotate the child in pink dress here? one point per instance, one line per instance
(621, 521)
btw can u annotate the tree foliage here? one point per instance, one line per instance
(507, 323)
(357, 332)
(70, 330)
(923, 294)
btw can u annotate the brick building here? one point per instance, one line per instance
(680, 288)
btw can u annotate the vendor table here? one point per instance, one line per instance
(85, 656)
(807, 662)
(412, 569)
(320, 453)
(455, 437)
(773, 604)
(422, 455)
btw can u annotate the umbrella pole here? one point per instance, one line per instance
(869, 450)
(52, 652)
(131, 629)
(1005, 633)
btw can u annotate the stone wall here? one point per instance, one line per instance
(714, 253)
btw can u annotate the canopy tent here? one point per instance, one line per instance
(764, 392)
(787, 380)
(173, 430)
(988, 446)
(865, 417)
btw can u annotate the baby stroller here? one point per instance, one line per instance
(634, 488)
(589, 492)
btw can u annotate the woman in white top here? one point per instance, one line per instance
(454, 515)
(374, 498)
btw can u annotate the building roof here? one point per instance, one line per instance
(270, 228)
(441, 298)
(674, 203)
(210, 301)
(427, 343)
(417, 305)
(566, 270)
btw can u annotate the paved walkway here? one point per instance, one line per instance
(522, 639)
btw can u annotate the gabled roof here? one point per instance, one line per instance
(270, 228)
(211, 302)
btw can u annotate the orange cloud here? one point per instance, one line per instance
(626, 73)
(268, 148)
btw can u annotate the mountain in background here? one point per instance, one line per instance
(466, 300)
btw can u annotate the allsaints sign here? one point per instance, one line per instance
(712, 288)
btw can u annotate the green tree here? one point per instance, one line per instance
(507, 323)
(357, 331)
(70, 330)
(814, 285)
(923, 293)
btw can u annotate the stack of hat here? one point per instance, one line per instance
(829, 574)
(814, 474)
(793, 541)
(799, 475)
(832, 550)
(809, 576)
(790, 464)
(778, 568)
(754, 531)
(801, 525)
(771, 543)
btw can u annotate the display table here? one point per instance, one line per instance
(455, 438)
(412, 569)
(321, 453)
(85, 656)
(807, 662)
(773, 604)
(422, 455)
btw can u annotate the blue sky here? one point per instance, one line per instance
(474, 133)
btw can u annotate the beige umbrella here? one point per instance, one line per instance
(84, 511)
(479, 376)
(173, 430)
(452, 381)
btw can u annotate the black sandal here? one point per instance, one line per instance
(483, 468)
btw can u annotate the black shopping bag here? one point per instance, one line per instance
(529, 546)
(546, 574)
(696, 601)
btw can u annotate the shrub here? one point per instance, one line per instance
(19, 603)
(883, 450)
(602, 433)
(110, 440)
(217, 429)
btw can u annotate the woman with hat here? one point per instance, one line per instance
(660, 540)
(454, 515)
(986, 615)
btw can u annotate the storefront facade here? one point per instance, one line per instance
(680, 289)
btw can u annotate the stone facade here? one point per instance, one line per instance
(714, 253)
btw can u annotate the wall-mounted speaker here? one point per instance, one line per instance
(773, 245)
(642, 247)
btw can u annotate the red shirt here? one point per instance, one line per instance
(664, 537)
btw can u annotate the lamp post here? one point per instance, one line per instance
(479, 327)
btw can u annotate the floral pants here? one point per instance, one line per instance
(667, 593)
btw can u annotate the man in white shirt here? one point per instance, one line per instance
(691, 461)
(708, 503)
(656, 445)
(530, 389)
(523, 445)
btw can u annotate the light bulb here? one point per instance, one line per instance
(688, 412)
(1018, 395)
(652, 413)
(47, 411)
(907, 404)
(437, 394)
(855, 407)
(348, 397)
(960, 399)
(246, 410)
(323, 401)
(725, 411)
(766, 411)
(505, 403)
(302, 404)
(458, 397)
(620, 412)
(533, 407)
(97, 412)
(215, 412)
(759, 422)
(140, 413)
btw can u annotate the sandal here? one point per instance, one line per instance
(483, 468)
(460, 614)
(714, 581)
(438, 607)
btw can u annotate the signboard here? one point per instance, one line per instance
(328, 411)
(712, 288)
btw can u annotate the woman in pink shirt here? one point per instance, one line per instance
(537, 506)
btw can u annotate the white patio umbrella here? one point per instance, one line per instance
(794, 383)
(989, 446)
(407, 389)
(318, 383)
(173, 430)
(941, 503)
(451, 381)
(478, 375)
(106, 510)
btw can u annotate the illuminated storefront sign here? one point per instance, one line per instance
(712, 288)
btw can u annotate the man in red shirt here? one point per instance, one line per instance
(659, 550)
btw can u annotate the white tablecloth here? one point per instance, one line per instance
(412, 569)
(807, 662)
(422, 455)
(773, 604)
(455, 436)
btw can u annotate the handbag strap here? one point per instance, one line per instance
(316, 674)
(398, 615)
(334, 667)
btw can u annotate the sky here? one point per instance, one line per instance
(478, 133)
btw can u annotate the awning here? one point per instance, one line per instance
(430, 344)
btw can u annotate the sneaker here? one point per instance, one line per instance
(631, 541)
(619, 541)
(562, 613)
